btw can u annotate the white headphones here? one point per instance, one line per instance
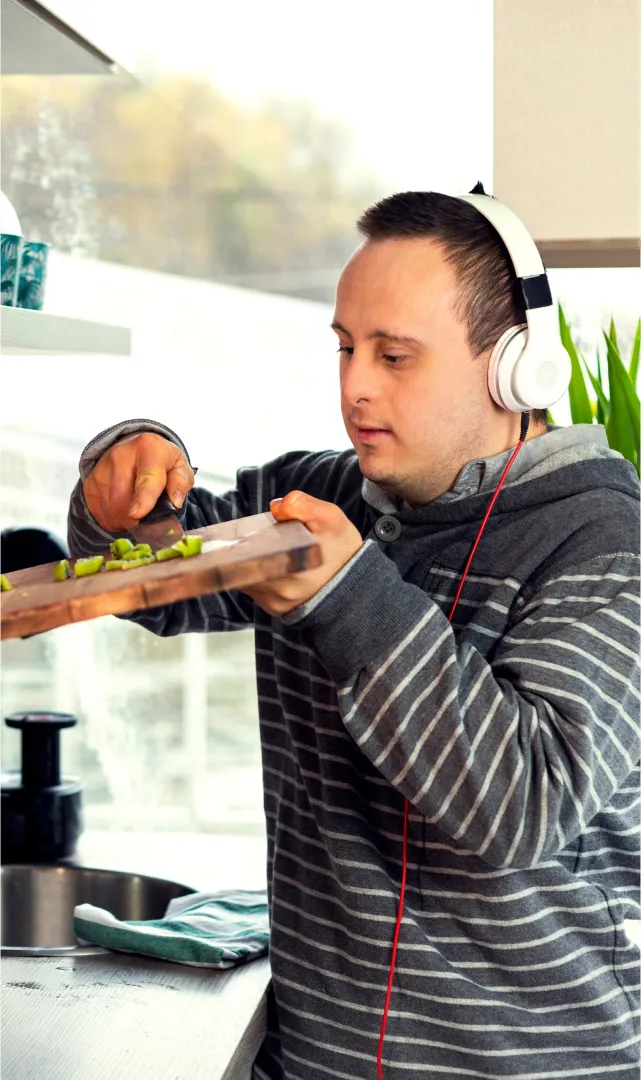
(529, 367)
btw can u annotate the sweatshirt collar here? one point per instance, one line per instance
(483, 474)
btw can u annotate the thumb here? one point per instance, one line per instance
(298, 506)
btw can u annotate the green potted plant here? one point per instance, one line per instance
(617, 408)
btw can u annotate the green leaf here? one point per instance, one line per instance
(613, 334)
(622, 428)
(580, 409)
(634, 359)
(602, 403)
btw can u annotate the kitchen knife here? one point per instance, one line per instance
(160, 528)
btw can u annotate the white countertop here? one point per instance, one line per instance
(116, 1015)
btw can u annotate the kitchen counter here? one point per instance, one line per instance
(117, 1015)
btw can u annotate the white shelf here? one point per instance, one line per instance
(37, 333)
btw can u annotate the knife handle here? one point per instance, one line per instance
(164, 508)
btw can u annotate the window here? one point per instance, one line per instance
(208, 204)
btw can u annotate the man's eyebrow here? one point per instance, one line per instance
(399, 339)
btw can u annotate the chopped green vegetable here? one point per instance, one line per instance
(5, 584)
(132, 564)
(120, 546)
(143, 549)
(84, 567)
(62, 570)
(131, 554)
(189, 545)
(168, 553)
(114, 564)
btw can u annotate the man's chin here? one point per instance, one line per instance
(379, 475)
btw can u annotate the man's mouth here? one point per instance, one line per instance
(371, 435)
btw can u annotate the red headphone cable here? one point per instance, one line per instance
(525, 422)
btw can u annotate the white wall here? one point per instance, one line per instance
(567, 116)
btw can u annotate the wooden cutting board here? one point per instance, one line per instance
(235, 554)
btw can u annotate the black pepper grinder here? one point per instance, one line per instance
(41, 811)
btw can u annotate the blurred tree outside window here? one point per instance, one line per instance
(176, 179)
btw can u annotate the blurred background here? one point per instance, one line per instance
(204, 194)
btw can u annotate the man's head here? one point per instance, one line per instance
(419, 307)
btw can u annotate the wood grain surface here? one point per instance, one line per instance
(235, 554)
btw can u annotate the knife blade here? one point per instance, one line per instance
(160, 527)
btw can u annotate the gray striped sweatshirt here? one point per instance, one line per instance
(513, 733)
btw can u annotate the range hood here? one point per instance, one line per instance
(38, 40)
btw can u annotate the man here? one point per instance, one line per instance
(512, 732)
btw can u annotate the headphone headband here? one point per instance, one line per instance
(524, 253)
(529, 367)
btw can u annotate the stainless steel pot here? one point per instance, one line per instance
(38, 904)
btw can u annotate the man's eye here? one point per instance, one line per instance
(347, 349)
(394, 359)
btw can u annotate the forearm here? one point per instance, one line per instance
(510, 759)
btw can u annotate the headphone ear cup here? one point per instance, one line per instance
(523, 376)
(503, 360)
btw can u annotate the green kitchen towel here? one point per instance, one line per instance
(217, 930)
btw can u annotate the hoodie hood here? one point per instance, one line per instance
(564, 461)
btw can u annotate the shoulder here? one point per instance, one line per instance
(599, 537)
(605, 521)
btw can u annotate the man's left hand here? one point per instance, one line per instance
(339, 541)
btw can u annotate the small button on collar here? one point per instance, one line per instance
(387, 528)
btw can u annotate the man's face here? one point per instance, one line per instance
(413, 397)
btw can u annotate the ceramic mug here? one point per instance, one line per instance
(32, 275)
(10, 245)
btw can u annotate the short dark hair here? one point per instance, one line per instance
(490, 300)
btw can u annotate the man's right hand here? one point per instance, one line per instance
(125, 484)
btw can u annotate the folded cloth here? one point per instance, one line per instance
(218, 930)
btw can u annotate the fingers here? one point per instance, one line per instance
(279, 595)
(180, 481)
(125, 484)
(298, 506)
(156, 463)
(149, 483)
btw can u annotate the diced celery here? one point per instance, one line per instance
(114, 564)
(5, 584)
(132, 564)
(120, 546)
(168, 553)
(143, 549)
(62, 570)
(189, 545)
(84, 567)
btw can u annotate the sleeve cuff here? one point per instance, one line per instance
(106, 439)
(361, 614)
(300, 613)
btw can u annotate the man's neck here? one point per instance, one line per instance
(534, 431)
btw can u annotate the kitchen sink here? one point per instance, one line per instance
(38, 904)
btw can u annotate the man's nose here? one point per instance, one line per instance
(359, 380)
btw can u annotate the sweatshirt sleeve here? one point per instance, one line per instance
(512, 758)
(255, 487)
